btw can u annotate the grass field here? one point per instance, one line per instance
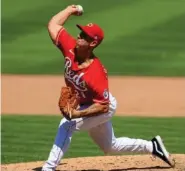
(143, 37)
(29, 138)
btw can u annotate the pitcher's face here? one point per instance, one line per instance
(83, 41)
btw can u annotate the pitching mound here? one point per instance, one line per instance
(106, 163)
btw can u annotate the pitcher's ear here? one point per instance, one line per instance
(94, 43)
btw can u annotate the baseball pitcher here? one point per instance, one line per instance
(85, 101)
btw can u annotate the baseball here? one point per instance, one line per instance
(80, 9)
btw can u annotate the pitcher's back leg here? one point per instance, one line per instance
(103, 136)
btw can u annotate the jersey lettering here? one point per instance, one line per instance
(75, 79)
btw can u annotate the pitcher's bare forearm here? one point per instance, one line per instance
(93, 110)
(57, 21)
(60, 18)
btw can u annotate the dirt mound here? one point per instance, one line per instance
(106, 163)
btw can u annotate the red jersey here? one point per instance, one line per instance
(90, 83)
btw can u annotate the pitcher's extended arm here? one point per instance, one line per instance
(57, 21)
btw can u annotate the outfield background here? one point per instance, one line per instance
(142, 38)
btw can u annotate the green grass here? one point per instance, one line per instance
(29, 138)
(143, 37)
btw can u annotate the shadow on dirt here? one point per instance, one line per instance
(40, 168)
(126, 169)
(141, 168)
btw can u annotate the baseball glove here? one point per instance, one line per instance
(67, 102)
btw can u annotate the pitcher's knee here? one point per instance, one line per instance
(66, 124)
(110, 150)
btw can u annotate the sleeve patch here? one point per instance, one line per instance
(106, 94)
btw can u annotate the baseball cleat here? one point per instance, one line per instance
(160, 151)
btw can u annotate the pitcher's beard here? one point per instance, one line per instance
(81, 50)
(82, 54)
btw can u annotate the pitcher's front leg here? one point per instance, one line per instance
(64, 136)
(61, 144)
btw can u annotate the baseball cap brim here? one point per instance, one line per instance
(83, 28)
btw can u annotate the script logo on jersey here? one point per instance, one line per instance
(73, 77)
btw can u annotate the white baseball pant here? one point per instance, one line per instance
(100, 130)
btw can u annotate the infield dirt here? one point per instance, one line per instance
(136, 96)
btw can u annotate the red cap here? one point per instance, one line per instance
(92, 30)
